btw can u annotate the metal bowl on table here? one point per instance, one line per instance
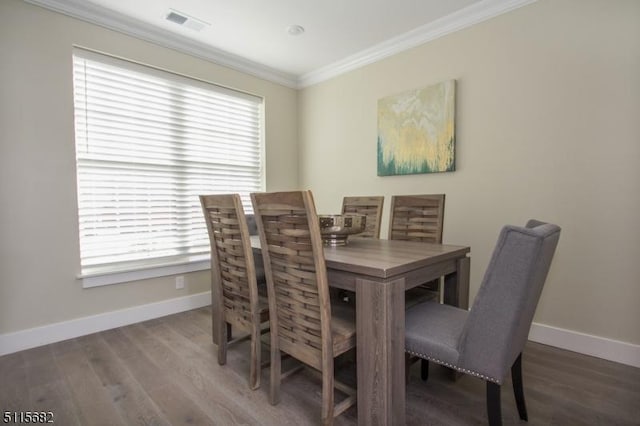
(336, 228)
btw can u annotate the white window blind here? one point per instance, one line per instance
(148, 142)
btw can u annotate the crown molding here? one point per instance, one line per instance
(109, 19)
(471, 15)
(98, 15)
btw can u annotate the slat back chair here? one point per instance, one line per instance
(234, 291)
(488, 340)
(301, 320)
(418, 218)
(371, 207)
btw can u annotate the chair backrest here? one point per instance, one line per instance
(417, 218)
(371, 207)
(299, 307)
(233, 276)
(498, 324)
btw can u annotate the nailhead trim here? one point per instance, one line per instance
(446, 364)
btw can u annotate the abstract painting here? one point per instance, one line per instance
(416, 131)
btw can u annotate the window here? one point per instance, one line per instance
(148, 142)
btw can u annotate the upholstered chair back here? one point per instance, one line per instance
(498, 324)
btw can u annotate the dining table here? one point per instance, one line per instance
(379, 271)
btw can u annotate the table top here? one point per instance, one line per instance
(384, 258)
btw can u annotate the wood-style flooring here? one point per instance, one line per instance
(165, 372)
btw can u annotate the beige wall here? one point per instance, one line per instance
(548, 126)
(39, 252)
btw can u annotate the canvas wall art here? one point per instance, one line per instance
(416, 131)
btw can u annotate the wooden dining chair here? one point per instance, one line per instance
(418, 218)
(303, 323)
(371, 207)
(488, 340)
(235, 298)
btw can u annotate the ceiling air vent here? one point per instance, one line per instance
(185, 20)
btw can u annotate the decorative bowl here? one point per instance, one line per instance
(336, 228)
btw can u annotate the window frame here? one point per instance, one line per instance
(119, 272)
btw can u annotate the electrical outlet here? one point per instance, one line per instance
(179, 282)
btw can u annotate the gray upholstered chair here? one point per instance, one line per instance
(488, 340)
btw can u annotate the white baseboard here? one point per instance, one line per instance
(612, 350)
(600, 347)
(38, 336)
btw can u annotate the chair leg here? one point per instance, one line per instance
(222, 330)
(518, 390)
(424, 370)
(494, 412)
(229, 333)
(276, 374)
(254, 375)
(327, 394)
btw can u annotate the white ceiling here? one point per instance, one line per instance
(250, 35)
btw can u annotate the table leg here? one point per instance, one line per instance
(456, 285)
(380, 352)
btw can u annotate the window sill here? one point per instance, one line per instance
(98, 279)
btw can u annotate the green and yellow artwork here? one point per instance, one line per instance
(416, 131)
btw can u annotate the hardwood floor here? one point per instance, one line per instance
(165, 372)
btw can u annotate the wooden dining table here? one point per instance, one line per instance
(380, 271)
